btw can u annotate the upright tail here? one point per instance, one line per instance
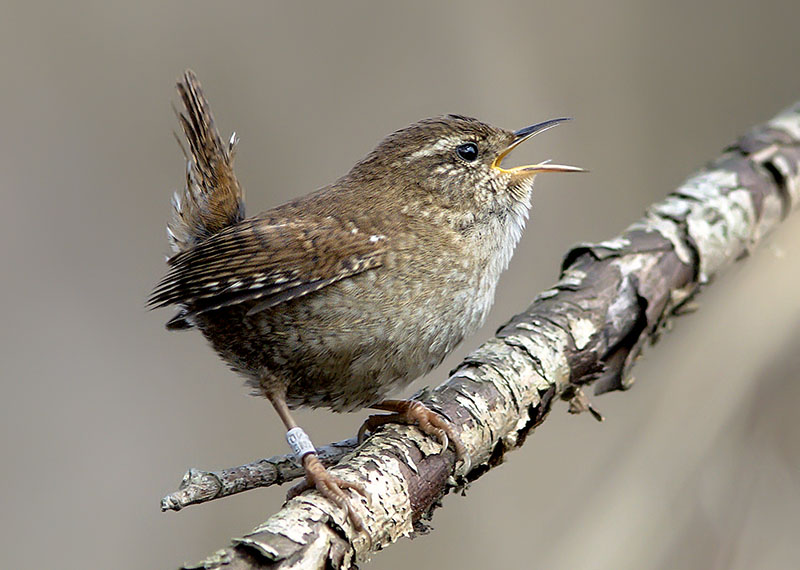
(212, 199)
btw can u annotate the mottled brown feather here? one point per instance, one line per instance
(212, 198)
(267, 258)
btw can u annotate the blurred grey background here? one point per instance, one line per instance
(102, 410)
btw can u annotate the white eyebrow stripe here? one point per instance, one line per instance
(440, 145)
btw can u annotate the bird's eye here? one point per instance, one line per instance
(467, 151)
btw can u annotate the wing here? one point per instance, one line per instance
(267, 258)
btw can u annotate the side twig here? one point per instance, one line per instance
(200, 486)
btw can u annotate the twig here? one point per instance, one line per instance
(200, 486)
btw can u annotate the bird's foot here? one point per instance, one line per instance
(416, 413)
(331, 487)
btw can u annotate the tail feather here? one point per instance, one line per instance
(212, 199)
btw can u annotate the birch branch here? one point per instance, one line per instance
(612, 298)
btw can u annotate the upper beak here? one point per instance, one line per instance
(520, 137)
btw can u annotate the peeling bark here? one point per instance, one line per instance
(612, 298)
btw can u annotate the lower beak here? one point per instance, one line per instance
(520, 137)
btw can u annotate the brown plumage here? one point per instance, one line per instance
(268, 259)
(341, 296)
(212, 199)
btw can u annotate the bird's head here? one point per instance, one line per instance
(457, 161)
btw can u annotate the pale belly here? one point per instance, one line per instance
(357, 342)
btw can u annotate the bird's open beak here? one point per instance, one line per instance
(520, 137)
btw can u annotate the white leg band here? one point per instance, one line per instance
(300, 442)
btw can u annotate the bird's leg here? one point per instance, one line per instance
(317, 477)
(415, 412)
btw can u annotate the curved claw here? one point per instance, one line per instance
(330, 487)
(362, 432)
(430, 422)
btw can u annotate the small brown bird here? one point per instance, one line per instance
(341, 296)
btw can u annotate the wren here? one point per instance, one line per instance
(342, 296)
